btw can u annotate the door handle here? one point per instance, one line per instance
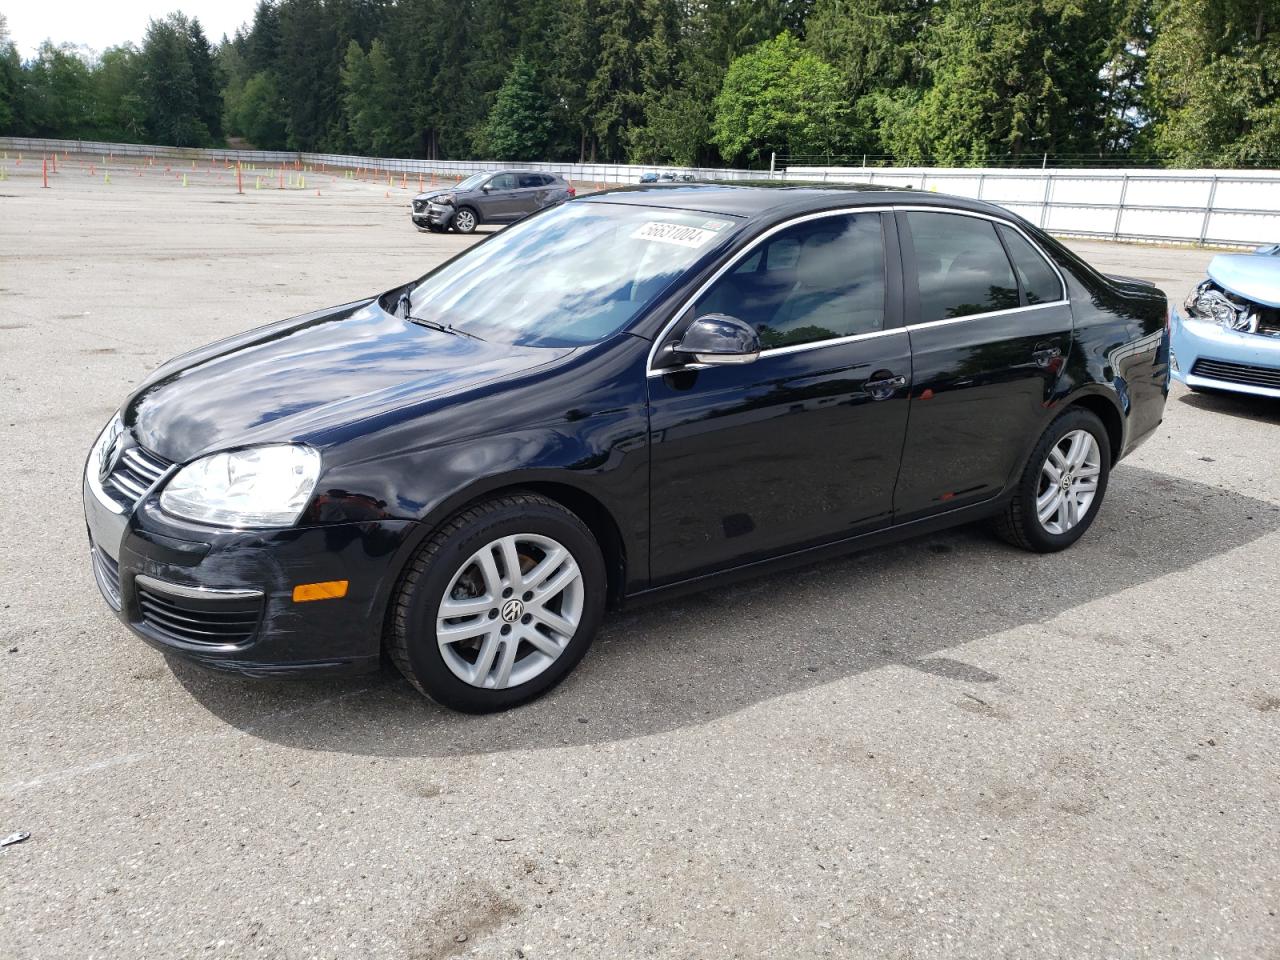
(1044, 354)
(883, 387)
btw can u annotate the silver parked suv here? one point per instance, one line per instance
(499, 196)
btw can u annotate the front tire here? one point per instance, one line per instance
(1062, 486)
(465, 220)
(499, 604)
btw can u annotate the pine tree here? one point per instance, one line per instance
(519, 125)
(1215, 81)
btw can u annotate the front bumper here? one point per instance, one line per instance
(224, 598)
(433, 215)
(1208, 355)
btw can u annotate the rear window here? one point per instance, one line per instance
(961, 266)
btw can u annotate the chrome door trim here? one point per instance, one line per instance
(844, 211)
(733, 262)
(982, 316)
(1011, 225)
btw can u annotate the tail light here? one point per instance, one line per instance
(572, 192)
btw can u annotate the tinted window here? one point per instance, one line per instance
(503, 181)
(962, 267)
(814, 281)
(1039, 282)
(531, 180)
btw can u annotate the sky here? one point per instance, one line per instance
(107, 23)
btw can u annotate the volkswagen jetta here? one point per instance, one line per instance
(623, 394)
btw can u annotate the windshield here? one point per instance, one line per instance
(574, 274)
(471, 182)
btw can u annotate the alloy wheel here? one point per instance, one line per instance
(465, 221)
(510, 610)
(1068, 481)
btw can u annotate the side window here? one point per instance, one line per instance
(503, 181)
(815, 281)
(961, 266)
(531, 180)
(1039, 282)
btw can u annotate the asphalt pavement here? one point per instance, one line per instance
(946, 748)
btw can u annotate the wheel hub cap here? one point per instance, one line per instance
(510, 610)
(1068, 482)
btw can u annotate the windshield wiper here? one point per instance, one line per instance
(403, 305)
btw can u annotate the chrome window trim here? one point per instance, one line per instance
(817, 344)
(195, 593)
(981, 316)
(733, 262)
(1012, 226)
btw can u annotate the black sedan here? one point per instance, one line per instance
(624, 394)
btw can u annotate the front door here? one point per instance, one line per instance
(501, 201)
(801, 446)
(990, 330)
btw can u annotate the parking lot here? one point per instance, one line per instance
(944, 748)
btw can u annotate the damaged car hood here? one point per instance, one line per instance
(295, 380)
(1253, 276)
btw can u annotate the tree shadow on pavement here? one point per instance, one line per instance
(693, 659)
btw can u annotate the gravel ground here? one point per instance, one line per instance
(946, 748)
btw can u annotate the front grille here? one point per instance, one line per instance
(1242, 373)
(107, 572)
(212, 621)
(134, 474)
(419, 206)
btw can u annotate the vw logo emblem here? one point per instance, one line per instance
(512, 610)
(110, 454)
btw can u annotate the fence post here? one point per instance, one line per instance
(982, 179)
(1208, 209)
(1044, 204)
(1124, 192)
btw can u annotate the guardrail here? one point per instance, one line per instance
(1214, 207)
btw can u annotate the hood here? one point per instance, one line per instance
(432, 194)
(1254, 276)
(298, 380)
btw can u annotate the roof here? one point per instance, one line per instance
(772, 198)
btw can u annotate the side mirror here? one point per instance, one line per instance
(486, 188)
(718, 338)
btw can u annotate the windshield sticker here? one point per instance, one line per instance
(673, 233)
(716, 225)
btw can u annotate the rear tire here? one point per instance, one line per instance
(517, 627)
(1062, 486)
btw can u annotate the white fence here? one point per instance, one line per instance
(1218, 207)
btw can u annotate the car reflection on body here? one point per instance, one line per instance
(640, 390)
(1227, 336)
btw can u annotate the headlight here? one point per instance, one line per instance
(256, 487)
(1209, 302)
(100, 456)
(445, 199)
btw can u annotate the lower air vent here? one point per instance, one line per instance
(206, 617)
(1242, 373)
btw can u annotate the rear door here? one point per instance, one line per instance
(990, 329)
(533, 191)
